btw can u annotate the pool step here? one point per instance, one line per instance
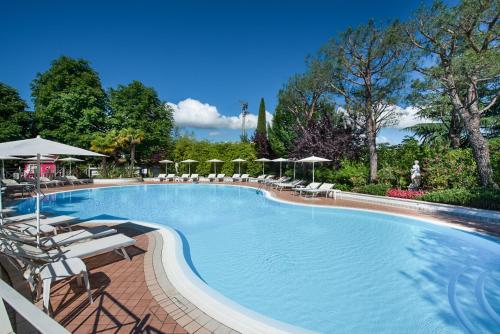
(470, 303)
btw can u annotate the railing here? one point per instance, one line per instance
(39, 320)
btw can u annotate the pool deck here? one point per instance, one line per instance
(135, 296)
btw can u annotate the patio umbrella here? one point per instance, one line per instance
(280, 160)
(70, 159)
(166, 162)
(189, 162)
(313, 159)
(39, 146)
(2, 176)
(263, 160)
(294, 163)
(239, 161)
(215, 161)
(42, 158)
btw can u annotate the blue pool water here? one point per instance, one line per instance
(328, 270)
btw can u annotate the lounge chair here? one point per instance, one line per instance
(244, 178)
(45, 181)
(61, 239)
(170, 177)
(161, 177)
(313, 185)
(194, 178)
(236, 177)
(21, 218)
(14, 187)
(325, 188)
(282, 179)
(220, 177)
(73, 178)
(80, 250)
(211, 177)
(258, 178)
(288, 185)
(29, 226)
(183, 178)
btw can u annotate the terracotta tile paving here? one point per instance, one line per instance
(122, 300)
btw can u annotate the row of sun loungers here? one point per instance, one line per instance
(56, 255)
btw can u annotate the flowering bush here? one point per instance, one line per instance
(408, 194)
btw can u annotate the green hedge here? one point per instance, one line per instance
(373, 189)
(475, 197)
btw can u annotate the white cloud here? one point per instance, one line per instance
(195, 114)
(383, 140)
(408, 117)
(214, 133)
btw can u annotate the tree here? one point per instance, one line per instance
(328, 136)
(130, 138)
(70, 104)
(368, 72)
(297, 106)
(135, 106)
(461, 45)
(105, 143)
(446, 129)
(16, 121)
(260, 137)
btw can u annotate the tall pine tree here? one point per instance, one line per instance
(260, 136)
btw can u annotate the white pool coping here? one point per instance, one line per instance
(227, 311)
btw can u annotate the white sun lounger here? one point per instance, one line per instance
(170, 177)
(258, 178)
(29, 226)
(80, 250)
(21, 218)
(235, 177)
(194, 177)
(313, 185)
(325, 188)
(211, 177)
(183, 178)
(244, 177)
(220, 177)
(288, 185)
(161, 177)
(61, 239)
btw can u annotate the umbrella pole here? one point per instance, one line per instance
(70, 168)
(263, 168)
(166, 169)
(294, 170)
(3, 170)
(313, 172)
(239, 168)
(280, 169)
(38, 200)
(215, 168)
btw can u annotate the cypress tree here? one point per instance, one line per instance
(261, 120)
(260, 136)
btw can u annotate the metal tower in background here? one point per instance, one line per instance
(244, 113)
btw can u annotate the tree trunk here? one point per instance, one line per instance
(471, 116)
(480, 151)
(455, 130)
(371, 138)
(132, 156)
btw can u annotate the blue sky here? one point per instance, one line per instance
(201, 56)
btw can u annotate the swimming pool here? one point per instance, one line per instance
(324, 269)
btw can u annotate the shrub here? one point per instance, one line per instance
(351, 174)
(407, 194)
(373, 189)
(474, 197)
(451, 169)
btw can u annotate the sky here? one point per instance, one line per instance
(202, 57)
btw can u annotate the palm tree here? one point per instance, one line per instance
(130, 138)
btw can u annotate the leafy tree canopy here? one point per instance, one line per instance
(135, 106)
(16, 121)
(70, 104)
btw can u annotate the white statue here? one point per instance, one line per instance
(415, 176)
